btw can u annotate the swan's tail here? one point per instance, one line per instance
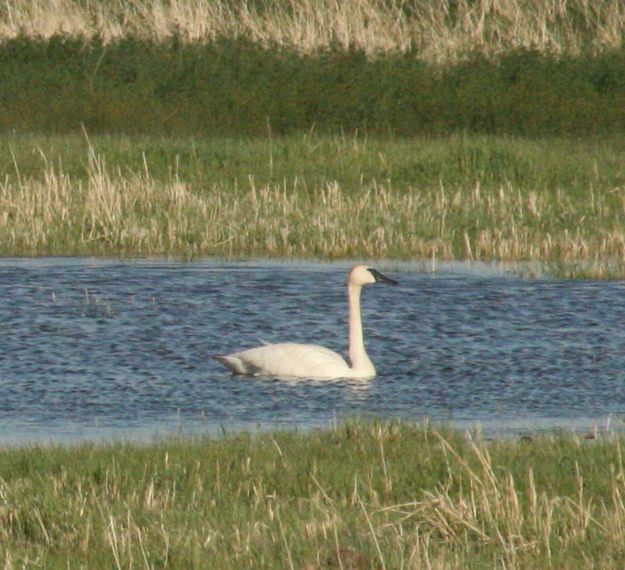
(236, 365)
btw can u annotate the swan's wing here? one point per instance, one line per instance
(287, 360)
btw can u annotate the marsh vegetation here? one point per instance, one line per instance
(471, 197)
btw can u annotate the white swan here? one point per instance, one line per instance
(291, 360)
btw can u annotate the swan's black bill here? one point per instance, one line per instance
(379, 278)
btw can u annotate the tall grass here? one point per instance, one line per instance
(359, 496)
(309, 196)
(435, 31)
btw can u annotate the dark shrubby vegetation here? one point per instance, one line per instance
(237, 87)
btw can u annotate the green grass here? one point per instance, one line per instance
(554, 200)
(388, 495)
(457, 160)
(235, 87)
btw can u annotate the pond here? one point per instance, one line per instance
(104, 350)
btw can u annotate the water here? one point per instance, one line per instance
(106, 350)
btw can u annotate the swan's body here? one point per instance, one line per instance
(292, 360)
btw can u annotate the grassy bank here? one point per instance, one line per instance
(458, 197)
(359, 496)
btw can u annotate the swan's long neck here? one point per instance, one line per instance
(360, 362)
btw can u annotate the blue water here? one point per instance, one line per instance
(106, 350)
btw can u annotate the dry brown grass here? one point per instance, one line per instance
(520, 521)
(436, 30)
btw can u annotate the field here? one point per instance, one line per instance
(359, 496)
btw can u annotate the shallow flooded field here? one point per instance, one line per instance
(101, 349)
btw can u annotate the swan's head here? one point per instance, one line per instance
(362, 275)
